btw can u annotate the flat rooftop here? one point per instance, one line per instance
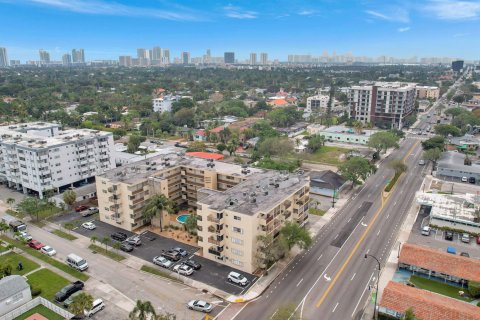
(138, 171)
(386, 85)
(31, 126)
(267, 188)
(345, 130)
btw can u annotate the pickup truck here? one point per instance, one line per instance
(68, 290)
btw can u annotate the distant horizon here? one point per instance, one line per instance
(107, 29)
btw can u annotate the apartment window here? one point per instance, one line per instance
(237, 252)
(237, 241)
(237, 230)
(106, 209)
(236, 262)
(237, 218)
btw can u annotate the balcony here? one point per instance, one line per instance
(216, 240)
(137, 191)
(217, 251)
(114, 207)
(215, 218)
(138, 200)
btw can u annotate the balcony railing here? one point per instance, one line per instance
(213, 218)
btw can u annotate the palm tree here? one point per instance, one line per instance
(358, 126)
(10, 202)
(81, 302)
(143, 311)
(155, 206)
(116, 245)
(105, 241)
(93, 239)
(3, 227)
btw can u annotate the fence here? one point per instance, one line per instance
(32, 304)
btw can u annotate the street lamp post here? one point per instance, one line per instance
(333, 197)
(378, 280)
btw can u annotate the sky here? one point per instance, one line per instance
(108, 28)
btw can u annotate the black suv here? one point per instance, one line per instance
(68, 290)
(119, 236)
(171, 255)
(449, 236)
(194, 264)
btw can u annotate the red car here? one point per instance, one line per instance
(37, 245)
(478, 240)
(81, 208)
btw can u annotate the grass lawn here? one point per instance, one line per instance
(60, 265)
(158, 272)
(316, 212)
(44, 311)
(64, 235)
(111, 254)
(440, 288)
(48, 281)
(326, 154)
(14, 258)
(48, 212)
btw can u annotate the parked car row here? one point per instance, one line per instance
(449, 235)
(68, 293)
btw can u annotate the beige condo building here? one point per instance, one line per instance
(426, 92)
(234, 204)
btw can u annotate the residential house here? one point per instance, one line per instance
(200, 135)
(466, 143)
(326, 183)
(14, 292)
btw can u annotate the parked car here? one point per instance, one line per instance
(451, 250)
(421, 162)
(472, 180)
(89, 225)
(68, 290)
(134, 241)
(119, 236)
(449, 235)
(194, 264)
(465, 254)
(49, 251)
(162, 262)
(478, 240)
(97, 306)
(181, 251)
(69, 300)
(199, 305)
(172, 255)
(183, 269)
(237, 278)
(126, 247)
(37, 245)
(426, 231)
(23, 236)
(90, 211)
(465, 238)
(464, 179)
(80, 208)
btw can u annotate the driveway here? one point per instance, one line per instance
(212, 273)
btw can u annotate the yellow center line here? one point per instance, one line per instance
(339, 273)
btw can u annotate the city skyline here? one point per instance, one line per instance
(400, 29)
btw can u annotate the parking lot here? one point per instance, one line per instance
(436, 239)
(211, 273)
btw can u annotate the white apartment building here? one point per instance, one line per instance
(380, 103)
(38, 156)
(426, 92)
(317, 103)
(164, 103)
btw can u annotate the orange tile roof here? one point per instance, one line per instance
(439, 261)
(425, 304)
(205, 155)
(200, 133)
(217, 129)
(279, 102)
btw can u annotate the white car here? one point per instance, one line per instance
(162, 262)
(199, 305)
(22, 235)
(237, 278)
(183, 269)
(97, 306)
(49, 251)
(89, 225)
(464, 179)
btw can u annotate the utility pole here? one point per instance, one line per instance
(333, 197)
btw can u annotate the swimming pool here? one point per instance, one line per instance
(182, 218)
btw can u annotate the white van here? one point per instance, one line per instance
(426, 231)
(96, 306)
(77, 262)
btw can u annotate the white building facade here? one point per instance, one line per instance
(36, 157)
(163, 104)
(317, 103)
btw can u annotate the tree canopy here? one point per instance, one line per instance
(284, 117)
(383, 140)
(295, 235)
(274, 146)
(446, 130)
(356, 169)
(434, 142)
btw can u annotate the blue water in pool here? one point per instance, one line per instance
(182, 218)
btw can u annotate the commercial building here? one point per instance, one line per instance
(397, 298)
(186, 57)
(263, 58)
(253, 59)
(125, 61)
(78, 56)
(457, 65)
(38, 156)
(426, 92)
(229, 57)
(452, 165)
(66, 59)
(317, 103)
(3, 58)
(234, 204)
(346, 135)
(44, 56)
(384, 104)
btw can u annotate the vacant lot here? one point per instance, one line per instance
(327, 154)
(48, 281)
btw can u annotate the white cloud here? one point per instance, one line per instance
(454, 10)
(239, 13)
(307, 12)
(393, 14)
(102, 7)
(405, 29)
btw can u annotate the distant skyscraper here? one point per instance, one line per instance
(14, 63)
(253, 58)
(229, 57)
(457, 65)
(66, 59)
(78, 56)
(166, 56)
(44, 56)
(125, 61)
(3, 57)
(156, 54)
(141, 53)
(264, 58)
(185, 57)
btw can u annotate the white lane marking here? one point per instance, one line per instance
(320, 257)
(299, 282)
(349, 219)
(353, 276)
(368, 251)
(335, 237)
(335, 307)
(388, 215)
(327, 277)
(273, 315)
(366, 286)
(378, 232)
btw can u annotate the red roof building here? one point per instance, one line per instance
(205, 155)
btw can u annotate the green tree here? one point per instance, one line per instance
(183, 103)
(184, 117)
(296, 235)
(116, 245)
(106, 241)
(410, 120)
(356, 169)
(93, 239)
(315, 142)
(232, 147)
(409, 315)
(143, 310)
(383, 140)
(331, 101)
(69, 197)
(10, 202)
(4, 227)
(197, 146)
(432, 155)
(398, 166)
(134, 142)
(191, 223)
(155, 206)
(81, 302)
(274, 146)
(30, 206)
(358, 127)
(447, 129)
(474, 289)
(454, 112)
(436, 142)
(284, 117)
(459, 99)
(221, 147)
(270, 250)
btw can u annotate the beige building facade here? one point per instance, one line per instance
(426, 92)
